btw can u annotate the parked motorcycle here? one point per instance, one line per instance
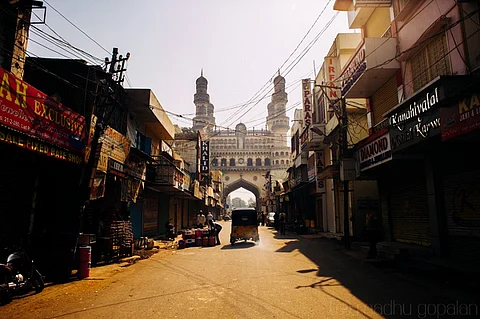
(19, 276)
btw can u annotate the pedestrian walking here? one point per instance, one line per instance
(215, 229)
(282, 222)
(371, 228)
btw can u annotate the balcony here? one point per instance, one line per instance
(149, 111)
(170, 176)
(359, 11)
(369, 68)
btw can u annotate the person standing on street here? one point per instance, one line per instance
(282, 222)
(209, 217)
(371, 228)
(215, 229)
(201, 219)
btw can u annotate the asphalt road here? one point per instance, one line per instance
(282, 277)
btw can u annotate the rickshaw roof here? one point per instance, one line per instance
(244, 212)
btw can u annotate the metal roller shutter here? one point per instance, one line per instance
(384, 99)
(462, 204)
(16, 185)
(409, 213)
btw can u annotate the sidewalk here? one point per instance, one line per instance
(111, 268)
(412, 262)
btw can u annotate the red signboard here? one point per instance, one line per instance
(28, 110)
(32, 144)
(461, 118)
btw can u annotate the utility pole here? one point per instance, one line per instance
(104, 94)
(345, 151)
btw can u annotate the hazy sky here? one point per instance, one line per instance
(239, 44)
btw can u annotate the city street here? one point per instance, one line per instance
(282, 277)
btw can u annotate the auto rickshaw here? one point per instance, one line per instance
(244, 225)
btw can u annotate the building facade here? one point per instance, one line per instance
(246, 157)
(422, 101)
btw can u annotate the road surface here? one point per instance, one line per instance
(282, 277)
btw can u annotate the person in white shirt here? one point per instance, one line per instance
(209, 216)
(201, 219)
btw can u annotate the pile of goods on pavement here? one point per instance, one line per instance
(196, 237)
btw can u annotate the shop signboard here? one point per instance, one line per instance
(150, 215)
(135, 168)
(115, 145)
(319, 166)
(178, 179)
(418, 119)
(197, 192)
(112, 145)
(462, 118)
(311, 168)
(30, 111)
(115, 168)
(304, 138)
(204, 157)
(186, 182)
(375, 153)
(307, 102)
(353, 71)
(332, 70)
(32, 144)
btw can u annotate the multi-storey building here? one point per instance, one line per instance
(418, 69)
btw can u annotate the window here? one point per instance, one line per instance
(267, 162)
(215, 162)
(249, 162)
(144, 143)
(276, 153)
(276, 162)
(281, 154)
(430, 62)
(224, 162)
(232, 162)
(282, 161)
(258, 162)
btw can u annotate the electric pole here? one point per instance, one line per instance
(112, 83)
(344, 132)
(345, 153)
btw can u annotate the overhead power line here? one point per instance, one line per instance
(76, 27)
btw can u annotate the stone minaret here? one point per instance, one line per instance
(204, 118)
(277, 120)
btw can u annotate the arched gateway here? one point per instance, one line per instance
(245, 155)
(242, 183)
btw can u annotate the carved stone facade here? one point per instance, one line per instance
(246, 155)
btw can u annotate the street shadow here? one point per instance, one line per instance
(306, 271)
(381, 292)
(327, 282)
(240, 245)
(287, 235)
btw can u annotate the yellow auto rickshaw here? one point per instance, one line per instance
(244, 225)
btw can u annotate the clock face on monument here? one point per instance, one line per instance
(240, 160)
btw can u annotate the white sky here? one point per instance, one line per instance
(239, 44)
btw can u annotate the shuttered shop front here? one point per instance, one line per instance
(409, 215)
(462, 203)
